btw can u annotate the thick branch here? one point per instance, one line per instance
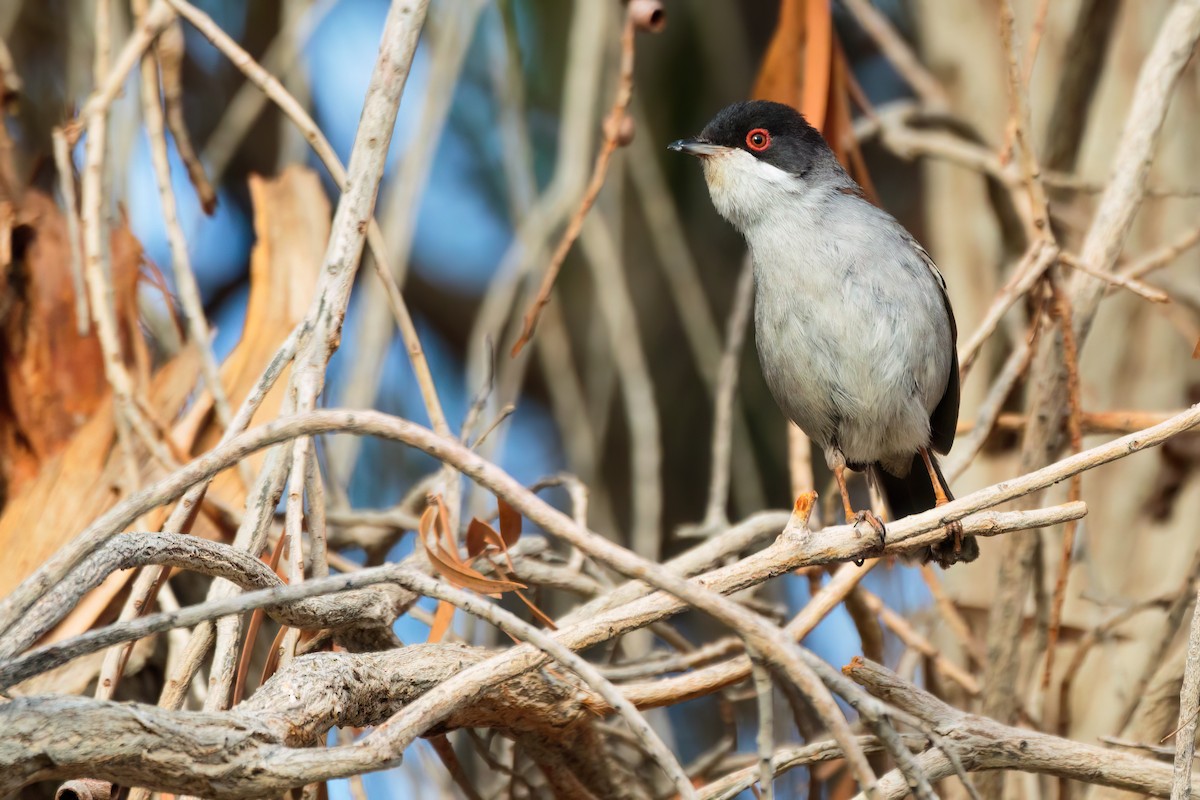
(263, 745)
(984, 744)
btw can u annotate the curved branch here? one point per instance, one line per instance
(839, 543)
(792, 551)
(262, 745)
(984, 744)
(373, 607)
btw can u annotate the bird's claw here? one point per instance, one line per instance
(954, 548)
(955, 529)
(876, 525)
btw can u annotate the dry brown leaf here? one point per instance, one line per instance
(441, 523)
(76, 486)
(425, 523)
(51, 378)
(805, 68)
(442, 618)
(510, 523)
(479, 536)
(448, 563)
(780, 74)
(818, 62)
(464, 577)
(537, 612)
(291, 222)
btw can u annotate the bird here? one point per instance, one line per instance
(855, 334)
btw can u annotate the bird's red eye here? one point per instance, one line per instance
(758, 140)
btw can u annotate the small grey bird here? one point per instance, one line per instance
(855, 333)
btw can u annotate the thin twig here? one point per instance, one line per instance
(185, 279)
(1121, 280)
(954, 618)
(877, 26)
(66, 183)
(314, 488)
(1158, 654)
(727, 381)
(1090, 639)
(106, 90)
(616, 133)
(293, 527)
(1061, 310)
(1189, 710)
(1019, 121)
(243, 109)
(168, 51)
(988, 414)
(1037, 259)
(1035, 40)
(1161, 257)
(913, 638)
(1124, 194)
(615, 300)
(788, 758)
(766, 733)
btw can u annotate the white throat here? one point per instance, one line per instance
(746, 190)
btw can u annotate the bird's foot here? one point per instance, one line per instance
(954, 548)
(876, 525)
(955, 531)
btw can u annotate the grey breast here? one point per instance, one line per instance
(852, 332)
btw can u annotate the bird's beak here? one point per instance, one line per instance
(697, 147)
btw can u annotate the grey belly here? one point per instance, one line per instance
(858, 384)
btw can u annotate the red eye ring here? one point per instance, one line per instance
(758, 140)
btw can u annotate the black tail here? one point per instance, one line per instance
(913, 494)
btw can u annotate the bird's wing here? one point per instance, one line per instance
(944, 420)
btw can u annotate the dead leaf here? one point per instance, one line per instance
(780, 74)
(52, 378)
(806, 68)
(442, 618)
(441, 522)
(479, 536)
(291, 221)
(537, 612)
(818, 62)
(71, 489)
(448, 563)
(510, 522)
(76, 486)
(464, 577)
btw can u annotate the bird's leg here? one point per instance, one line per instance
(938, 492)
(955, 527)
(854, 517)
(839, 474)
